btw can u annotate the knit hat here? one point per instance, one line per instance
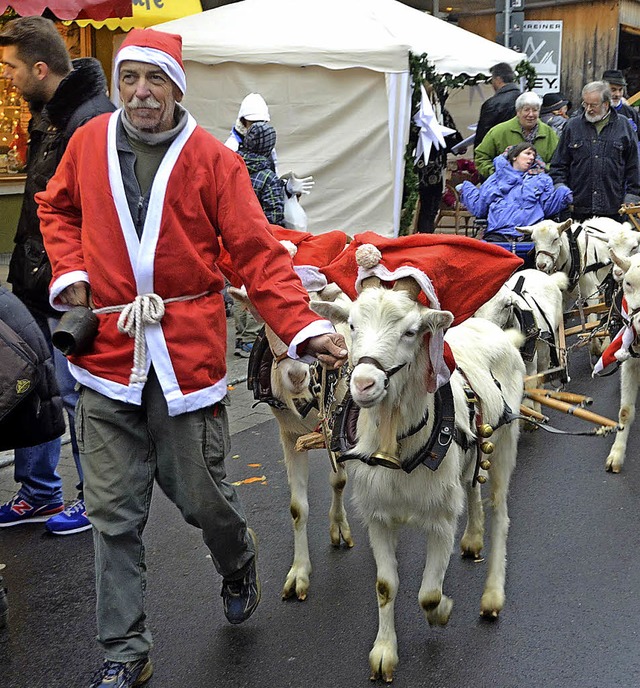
(455, 273)
(615, 77)
(552, 101)
(153, 47)
(260, 139)
(254, 108)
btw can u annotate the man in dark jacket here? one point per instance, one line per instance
(501, 106)
(597, 157)
(616, 82)
(63, 95)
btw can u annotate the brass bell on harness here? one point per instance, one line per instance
(481, 479)
(485, 464)
(485, 430)
(381, 458)
(487, 447)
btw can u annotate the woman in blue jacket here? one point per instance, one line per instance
(518, 193)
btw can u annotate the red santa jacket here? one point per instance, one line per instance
(201, 195)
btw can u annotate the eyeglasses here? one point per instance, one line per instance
(592, 106)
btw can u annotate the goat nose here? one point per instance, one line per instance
(363, 385)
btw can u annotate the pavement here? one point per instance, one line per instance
(241, 417)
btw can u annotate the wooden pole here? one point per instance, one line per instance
(569, 397)
(572, 410)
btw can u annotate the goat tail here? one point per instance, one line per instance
(561, 280)
(515, 337)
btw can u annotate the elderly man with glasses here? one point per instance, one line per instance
(597, 157)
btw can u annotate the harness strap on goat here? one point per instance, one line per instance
(575, 268)
(430, 454)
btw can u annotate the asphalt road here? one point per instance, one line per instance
(570, 619)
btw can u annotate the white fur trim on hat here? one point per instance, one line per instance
(311, 277)
(167, 64)
(290, 246)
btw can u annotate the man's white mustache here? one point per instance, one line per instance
(149, 103)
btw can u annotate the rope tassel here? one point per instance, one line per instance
(145, 309)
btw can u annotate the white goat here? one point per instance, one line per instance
(542, 296)
(624, 241)
(290, 383)
(387, 328)
(580, 250)
(630, 369)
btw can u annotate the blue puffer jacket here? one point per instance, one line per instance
(510, 198)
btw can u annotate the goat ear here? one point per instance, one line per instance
(623, 263)
(436, 320)
(330, 293)
(336, 312)
(564, 225)
(525, 230)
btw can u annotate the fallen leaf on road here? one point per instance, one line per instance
(255, 479)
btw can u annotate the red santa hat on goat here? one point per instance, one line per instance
(456, 274)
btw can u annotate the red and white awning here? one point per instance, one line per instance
(71, 9)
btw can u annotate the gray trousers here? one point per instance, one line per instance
(123, 449)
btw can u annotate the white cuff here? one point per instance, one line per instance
(61, 284)
(316, 328)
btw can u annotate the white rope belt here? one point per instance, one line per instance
(145, 309)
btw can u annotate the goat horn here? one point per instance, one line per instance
(369, 282)
(409, 285)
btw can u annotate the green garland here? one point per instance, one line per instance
(422, 70)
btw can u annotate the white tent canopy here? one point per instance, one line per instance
(336, 77)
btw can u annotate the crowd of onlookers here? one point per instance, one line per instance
(540, 158)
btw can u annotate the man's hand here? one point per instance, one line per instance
(329, 349)
(76, 294)
(297, 186)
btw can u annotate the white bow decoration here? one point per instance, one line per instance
(432, 133)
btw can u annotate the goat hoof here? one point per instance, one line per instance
(613, 465)
(383, 659)
(491, 604)
(439, 615)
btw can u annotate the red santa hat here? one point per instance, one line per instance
(311, 252)
(620, 348)
(456, 274)
(157, 48)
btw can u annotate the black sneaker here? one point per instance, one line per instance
(123, 674)
(240, 598)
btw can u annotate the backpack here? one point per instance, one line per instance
(18, 369)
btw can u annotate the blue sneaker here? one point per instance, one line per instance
(243, 349)
(123, 674)
(72, 520)
(240, 598)
(17, 510)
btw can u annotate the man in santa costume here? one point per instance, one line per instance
(134, 219)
